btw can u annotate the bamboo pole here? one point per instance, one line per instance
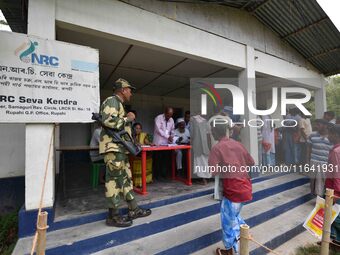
(326, 230)
(244, 239)
(41, 228)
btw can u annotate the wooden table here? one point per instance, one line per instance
(187, 181)
(64, 149)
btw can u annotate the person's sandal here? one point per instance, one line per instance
(119, 221)
(138, 213)
(220, 251)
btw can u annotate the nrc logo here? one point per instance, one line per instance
(44, 60)
(26, 53)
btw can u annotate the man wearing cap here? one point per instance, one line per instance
(181, 136)
(317, 155)
(118, 174)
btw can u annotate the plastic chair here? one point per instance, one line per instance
(95, 174)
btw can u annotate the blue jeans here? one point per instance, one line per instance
(297, 153)
(231, 221)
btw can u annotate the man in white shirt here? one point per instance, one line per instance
(163, 135)
(181, 136)
(164, 127)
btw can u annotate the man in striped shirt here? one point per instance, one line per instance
(317, 155)
(333, 176)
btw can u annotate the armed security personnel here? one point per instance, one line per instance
(118, 174)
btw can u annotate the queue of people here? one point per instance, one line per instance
(309, 146)
(214, 146)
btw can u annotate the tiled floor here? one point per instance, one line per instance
(82, 199)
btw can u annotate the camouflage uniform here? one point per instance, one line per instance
(118, 174)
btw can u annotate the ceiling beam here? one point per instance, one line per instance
(185, 85)
(324, 53)
(260, 6)
(246, 4)
(333, 72)
(119, 62)
(304, 28)
(5, 4)
(161, 74)
(131, 68)
(173, 90)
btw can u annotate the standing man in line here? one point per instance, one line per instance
(333, 177)
(268, 142)
(330, 117)
(237, 187)
(163, 135)
(118, 174)
(305, 127)
(317, 156)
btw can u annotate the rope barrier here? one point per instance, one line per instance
(330, 242)
(274, 252)
(261, 245)
(335, 244)
(42, 228)
(35, 239)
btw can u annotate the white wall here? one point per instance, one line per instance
(234, 24)
(12, 150)
(209, 33)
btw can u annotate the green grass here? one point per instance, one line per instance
(312, 250)
(8, 232)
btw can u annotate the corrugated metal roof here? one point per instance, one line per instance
(306, 27)
(302, 23)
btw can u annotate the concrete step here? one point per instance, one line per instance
(173, 241)
(275, 231)
(303, 239)
(168, 222)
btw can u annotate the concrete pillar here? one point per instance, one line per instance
(41, 22)
(247, 80)
(320, 101)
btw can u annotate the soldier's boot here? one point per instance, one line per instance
(116, 220)
(138, 213)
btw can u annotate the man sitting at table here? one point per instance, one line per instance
(163, 135)
(181, 136)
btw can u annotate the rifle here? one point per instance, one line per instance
(121, 137)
